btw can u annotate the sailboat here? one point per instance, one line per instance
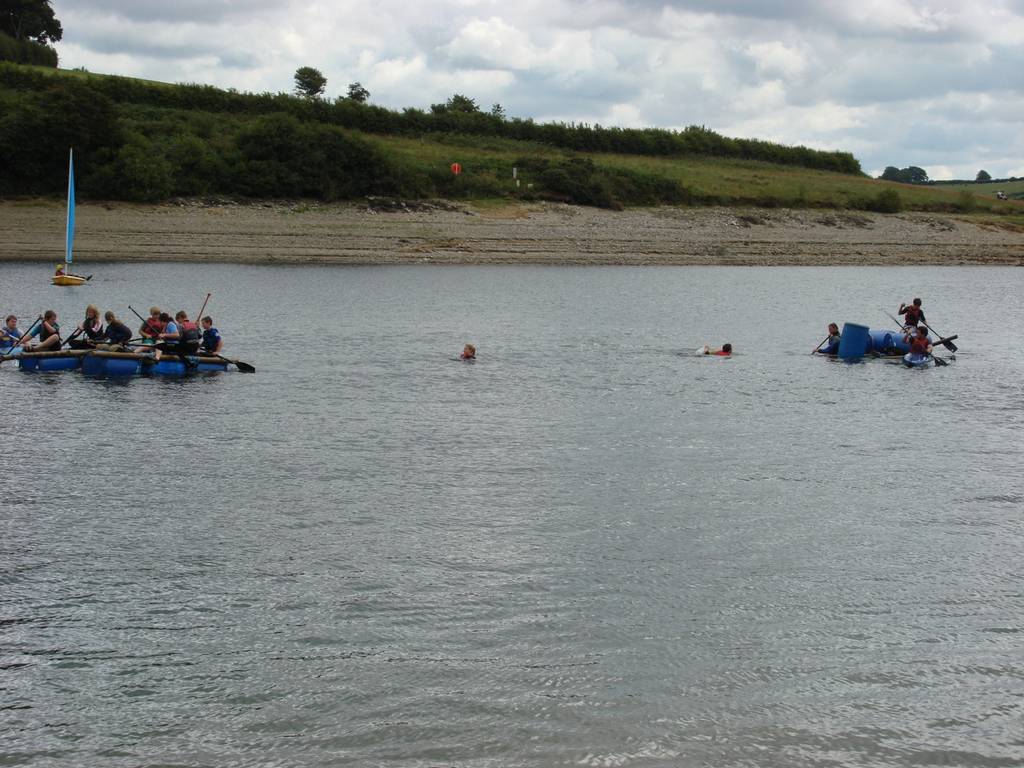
(64, 276)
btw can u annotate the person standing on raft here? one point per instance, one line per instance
(914, 314)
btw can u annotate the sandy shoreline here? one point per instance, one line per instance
(302, 233)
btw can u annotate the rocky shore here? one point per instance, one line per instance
(381, 231)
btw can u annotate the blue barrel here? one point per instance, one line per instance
(884, 342)
(68, 363)
(208, 367)
(901, 346)
(855, 341)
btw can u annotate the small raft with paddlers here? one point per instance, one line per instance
(857, 342)
(96, 362)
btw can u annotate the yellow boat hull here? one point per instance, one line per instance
(68, 280)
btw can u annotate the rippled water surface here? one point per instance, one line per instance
(588, 548)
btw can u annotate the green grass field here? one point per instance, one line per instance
(713, 180)
(987, 189)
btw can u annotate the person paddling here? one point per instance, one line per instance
(914, 314)
(117, 332)
(92, 327)
(725, 351)
(919, 344)
(10, 335)
(153, 326)
(830, 346)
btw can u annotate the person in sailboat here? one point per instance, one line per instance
(48, 333)
(60, 270)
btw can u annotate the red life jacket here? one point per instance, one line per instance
(188, 331)
(913, 313)
(919, 345)
(153, 328)
(722, 353)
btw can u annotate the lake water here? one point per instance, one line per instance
(588, 548)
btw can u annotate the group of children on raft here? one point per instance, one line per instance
(158, 334)
(915, 332)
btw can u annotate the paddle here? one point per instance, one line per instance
(199, 317)
(72, 337)
(821, 342)
(243, 367)
(944, 341)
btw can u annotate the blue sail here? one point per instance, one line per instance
(71, 208)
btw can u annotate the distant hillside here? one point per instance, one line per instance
(147, 141)
(1012, 188)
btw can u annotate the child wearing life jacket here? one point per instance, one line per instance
(919, 344)
(212, 341)
(725, 351)
(913, 313)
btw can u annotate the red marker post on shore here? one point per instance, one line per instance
(456, 169)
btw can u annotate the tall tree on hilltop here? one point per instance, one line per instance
(30, 20)
(983, 175)
(309, 82)
(357, 93)
(457, 103)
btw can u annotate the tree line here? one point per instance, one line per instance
(349, 113)
(145, 153)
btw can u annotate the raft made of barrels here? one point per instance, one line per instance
(118, 364)
(100, 363)
(858, 341)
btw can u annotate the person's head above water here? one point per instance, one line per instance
(727, 348)
(469, 352)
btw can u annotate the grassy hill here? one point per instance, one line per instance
(142, 140)
(1012, 189)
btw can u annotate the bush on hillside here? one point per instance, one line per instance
(886, 201)
(35, 137)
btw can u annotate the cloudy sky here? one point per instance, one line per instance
(933, 83)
